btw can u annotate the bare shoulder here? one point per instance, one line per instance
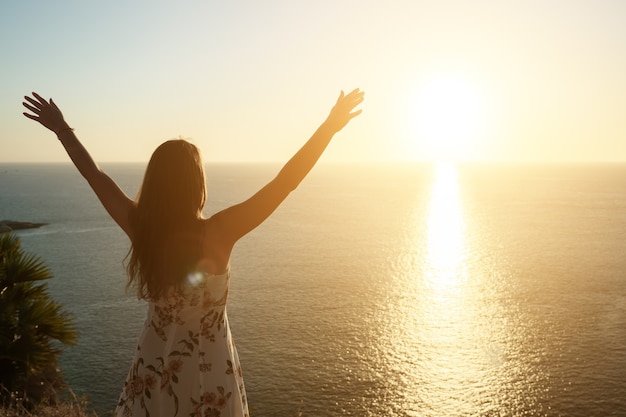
(213, 227)
(219, 225)
(217, 249)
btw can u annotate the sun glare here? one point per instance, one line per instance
(448, 116)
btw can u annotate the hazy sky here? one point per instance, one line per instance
(251, 80)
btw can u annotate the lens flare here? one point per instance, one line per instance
(194, 279)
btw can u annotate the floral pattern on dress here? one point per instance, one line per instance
(186, 363)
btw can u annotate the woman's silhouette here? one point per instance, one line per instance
(185, 363)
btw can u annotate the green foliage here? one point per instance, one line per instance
(31, 326)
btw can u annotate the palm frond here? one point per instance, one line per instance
(32, 324)
(9, 244)
(25, 267)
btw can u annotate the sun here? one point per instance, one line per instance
(448, 116)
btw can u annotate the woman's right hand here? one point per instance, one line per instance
(46, 113)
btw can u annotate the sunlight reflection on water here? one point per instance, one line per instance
(446, 346)
(444, 265)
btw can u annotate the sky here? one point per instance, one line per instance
(250, 81)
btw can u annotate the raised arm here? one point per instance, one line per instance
(236, 221)
(116, 203)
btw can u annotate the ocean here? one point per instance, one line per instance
(385, 290)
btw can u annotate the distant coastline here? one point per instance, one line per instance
(10, 225)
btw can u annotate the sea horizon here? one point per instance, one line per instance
(408, 290)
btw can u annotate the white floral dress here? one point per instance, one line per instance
(186, 363)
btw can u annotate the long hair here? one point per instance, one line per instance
(166, 242)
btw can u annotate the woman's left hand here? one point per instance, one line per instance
(45, 112)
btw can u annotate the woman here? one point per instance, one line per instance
(185, 363)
